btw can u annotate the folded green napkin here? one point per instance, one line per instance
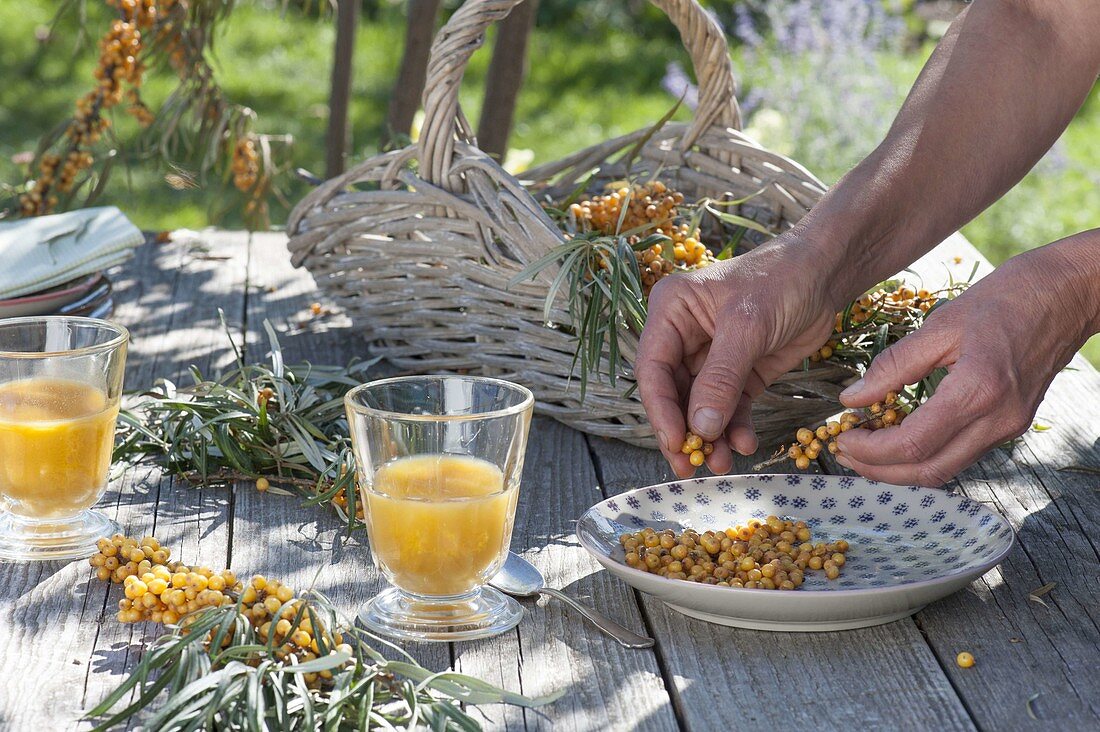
(45, 251)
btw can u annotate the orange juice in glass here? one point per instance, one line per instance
(439, 460)
(60, 385)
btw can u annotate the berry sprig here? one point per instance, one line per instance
(119, 66)
(246, 164)
(644, 209)
(810, 443)
(178, 32)
(171, 593)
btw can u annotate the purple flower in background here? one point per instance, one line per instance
(677, 83)
(814, 67)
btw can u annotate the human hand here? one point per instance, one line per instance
(1002, 342)
(716, 337)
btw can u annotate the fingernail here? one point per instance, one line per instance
(706, 421)
(852, 389)
(841, 460)
(662, 440)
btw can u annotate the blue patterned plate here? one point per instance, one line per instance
(909, 546)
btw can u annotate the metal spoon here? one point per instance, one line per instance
(520, 578)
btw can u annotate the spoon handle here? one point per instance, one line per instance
(628, 638)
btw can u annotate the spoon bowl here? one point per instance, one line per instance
(520, 578)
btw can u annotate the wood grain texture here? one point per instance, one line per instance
(553, 648)
(1055, 514)
(843, 680)
(61, 649)
(608, 686)
(60, 645)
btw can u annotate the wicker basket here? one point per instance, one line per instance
(419, 244)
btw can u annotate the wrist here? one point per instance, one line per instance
(1072, 267)
(860, 234)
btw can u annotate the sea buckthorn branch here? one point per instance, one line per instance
(277, 425)
(621, 242)
(145, 35)
(809, 444)
(256, 654)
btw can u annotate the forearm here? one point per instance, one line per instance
(995, 95)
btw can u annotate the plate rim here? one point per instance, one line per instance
(73, 286)
(773, 594)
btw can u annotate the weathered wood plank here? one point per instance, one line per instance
(277, 535)
(1055, 515)
(51, 612)
(818, 681)
(608, 686)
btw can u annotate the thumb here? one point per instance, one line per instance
(906, 362)
(717, 388)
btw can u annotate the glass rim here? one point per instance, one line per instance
(122, 336)
(527, 403)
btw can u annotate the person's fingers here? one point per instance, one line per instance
(928, 429)
(681, 465)
(906, 362)
(741, 432)
(973, 442)
(660, 357)
(717, 388)
(720, 461)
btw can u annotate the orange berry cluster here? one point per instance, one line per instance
(340, 500)
(650, 208)
(156, 589)
(118, 64)
(895, 304)
(138, 109)
(696, 449)
(170, 593)
(773, 554)
(810, 443)
(246, 164)
(273, 610)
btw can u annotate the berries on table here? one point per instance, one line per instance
(964, 660)
(171, 593)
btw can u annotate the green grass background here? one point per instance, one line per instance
(582, 87)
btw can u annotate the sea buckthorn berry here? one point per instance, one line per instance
(964, 660)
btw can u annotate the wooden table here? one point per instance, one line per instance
(1038, 663)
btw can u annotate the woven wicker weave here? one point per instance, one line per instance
(419, 244)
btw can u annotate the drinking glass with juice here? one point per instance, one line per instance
(439, 460)
(60, 385)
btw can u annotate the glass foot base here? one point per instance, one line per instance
(72, 538)
(485, 613)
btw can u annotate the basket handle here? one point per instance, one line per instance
(464, 33)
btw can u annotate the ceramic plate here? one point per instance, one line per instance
(909, 546)
(51, 300)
